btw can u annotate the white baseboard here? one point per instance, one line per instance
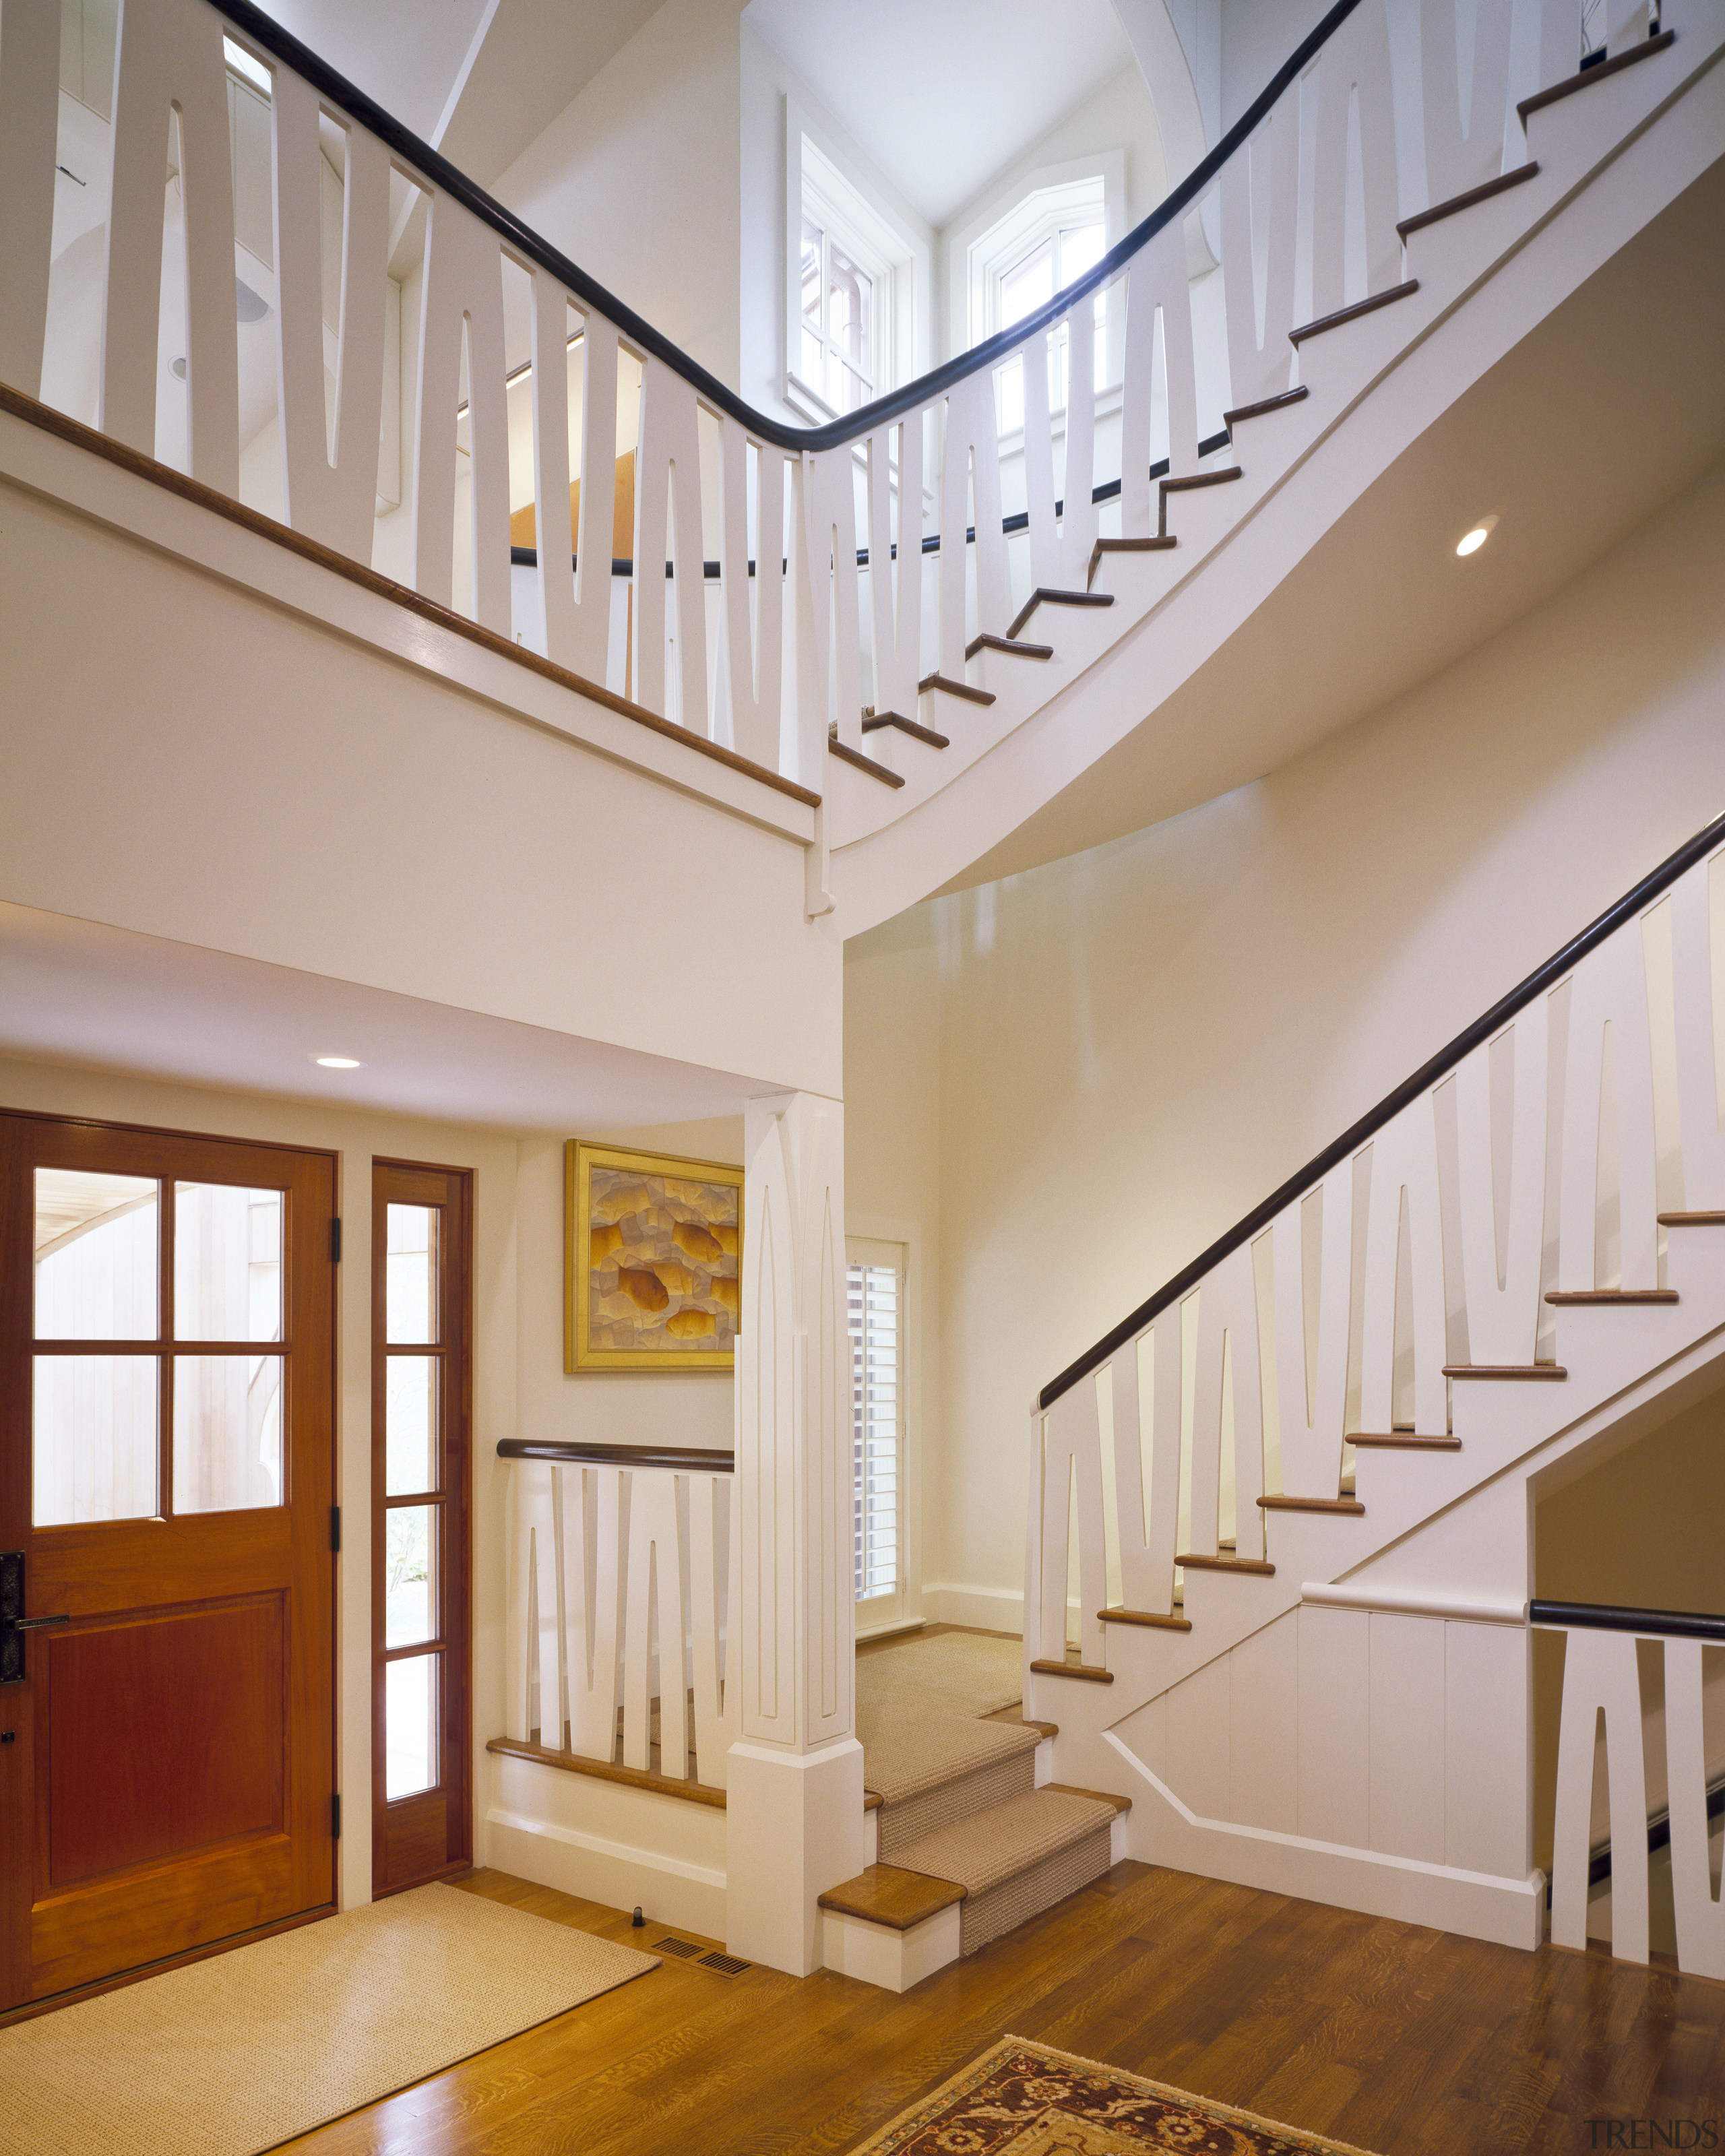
(989, 1609)
(1160, 1830)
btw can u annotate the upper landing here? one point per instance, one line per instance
(307, 400)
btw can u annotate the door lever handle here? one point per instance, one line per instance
(35, 1624)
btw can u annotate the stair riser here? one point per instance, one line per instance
(986, 1916)
(907, 1821)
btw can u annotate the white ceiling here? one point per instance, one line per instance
(942, 97)
(77, 991)
(408, 60)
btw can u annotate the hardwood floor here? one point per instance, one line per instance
(1394, 2038)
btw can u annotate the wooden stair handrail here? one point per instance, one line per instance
(1484, 1027)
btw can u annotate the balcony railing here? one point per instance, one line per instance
(234, 310)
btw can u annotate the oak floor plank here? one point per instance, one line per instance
(1399, 2039)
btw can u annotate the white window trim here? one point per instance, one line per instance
(1011, 222)
(896, 257)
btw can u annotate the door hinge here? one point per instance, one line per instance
(336, 1240)
(336, 1819)
(336, 1529)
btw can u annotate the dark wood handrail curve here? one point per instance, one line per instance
(1610, 1617)
(565, 1452)
(1544, 977)
(270, 36)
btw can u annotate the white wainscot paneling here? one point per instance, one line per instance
(1197, 1741)
(1486, 1748)
(1335, 1725)
(1407, 1737)
(1144, 1733)
(1264, 1706)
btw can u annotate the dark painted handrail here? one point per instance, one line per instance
(680, 1460)
(1610, 1617)
(1546, 977)
(273, 39)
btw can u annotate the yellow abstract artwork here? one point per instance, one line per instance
(653, 1264)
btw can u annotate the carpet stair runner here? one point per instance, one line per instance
(961, 1818)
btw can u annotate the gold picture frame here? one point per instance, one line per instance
(652, 1260)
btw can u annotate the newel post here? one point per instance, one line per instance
(794, 1817)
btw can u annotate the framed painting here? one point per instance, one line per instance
(653, 1263)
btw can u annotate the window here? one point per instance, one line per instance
(852, 300)
(420, 1476)
(1019, 260)
(876, 1278)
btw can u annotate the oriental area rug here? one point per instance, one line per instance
(232, 2056)
(1022, 2099)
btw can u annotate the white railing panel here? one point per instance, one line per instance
(1600, 1674)
(1311, 1403)
(535, 1636)
(1463, 153)
(1700, 1913)
(170, 64)
(463, 285)
(753, 659)
(1228, 1339)
(597, 604)
(1405, 1167)
(554, 575)
(656, 1589)
(30, 118)
(331, 497)
(1072, 1494)
(1260, 189)
(971, 465)
(833, 680)
(1503, 1310)
(1354, 89)
(594, 1575)
(668, 529)
(1608, 999)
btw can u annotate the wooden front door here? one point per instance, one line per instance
(167, 1462)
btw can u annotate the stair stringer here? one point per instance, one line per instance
(1377, 386)
(1357, 1729)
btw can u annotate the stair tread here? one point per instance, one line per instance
(1087, 1671)
(914, 1756)
(888, 1894)
(993, 1845)
(1277, 1504)
(1143, 1617)
(1613, 1295)
(987, 642)
(1046, 595)
(1254, 1564)
(1405, 1440)
(1505, 1370)
(874, 721)
(1692, 1220)
(951, 688)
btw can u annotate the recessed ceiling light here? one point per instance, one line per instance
(1471, 541)
(338, 1062)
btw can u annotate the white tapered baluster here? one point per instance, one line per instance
(1502, 1321)
(1600, 1672)
(171, 59)
(533, 1630)
(830, 518)
(1078, 508)
(1404, 1164)
(1608, 988)
(1700, 1913)
(1228, 1331)
(463, 283)
(1259, 194)
(706, 1618)
(555, 573)
(330, 498)
(1130, 1509)
(1697, 1074)
(593, 1575)
(1074, 1475)
(1312, 1405)
(590, 638)
(971, 438)
(668, 530)
(753, 605)
(1038, 464)
(29, 119)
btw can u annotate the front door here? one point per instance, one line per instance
(167, 1370)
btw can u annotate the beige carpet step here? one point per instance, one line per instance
(1016, 1858)
(966, 1767)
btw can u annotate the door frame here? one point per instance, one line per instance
(318, 1630)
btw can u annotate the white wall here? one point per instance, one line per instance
(1136, 1045)
(1257, 36)
(637, 180)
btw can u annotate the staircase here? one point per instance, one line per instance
(1297, 1635)
(970, 1835)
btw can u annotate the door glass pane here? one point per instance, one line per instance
(97, 1254)
(809, 271)
(410, 1425)
(93, 1429)
(227, 1432)
(411, 1283)
(410, 1723)
(410, 1576)
(227, 1262)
